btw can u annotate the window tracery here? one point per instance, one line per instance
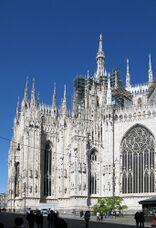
(137, 150)
(93, 175)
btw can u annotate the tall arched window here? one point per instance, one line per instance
(137, 150)
(47, 169)
(17, 166)
(93, 172)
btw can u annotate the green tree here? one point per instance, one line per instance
(109, 204)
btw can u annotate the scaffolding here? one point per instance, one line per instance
(119, 95)
(115, 79)
(79, 87)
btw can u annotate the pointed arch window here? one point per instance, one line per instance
(93, 173)
(17, 175)
(137, 149)
(47, 169)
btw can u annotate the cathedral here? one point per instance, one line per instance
(104, 146)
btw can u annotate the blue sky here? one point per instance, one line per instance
(55, 40)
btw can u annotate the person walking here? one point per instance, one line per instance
(142, 219)
(81, 213)
(101, 216)
(153, 219)
(50, 219)
(39, 220)
(137, 218)
(30, 218)
(97, 215)
(87, 218)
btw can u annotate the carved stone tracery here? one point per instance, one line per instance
(137, 161)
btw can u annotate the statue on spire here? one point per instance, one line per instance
(33, 99)
(26, 90)
(18, 108)
(25, 104)
(64, 102)
(150, 71)
(128, 77)
(54, 108)
(100, 59)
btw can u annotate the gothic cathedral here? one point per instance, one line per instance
(104, 146)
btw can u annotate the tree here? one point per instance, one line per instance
(109, 204)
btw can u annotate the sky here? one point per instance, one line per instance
(55, 40)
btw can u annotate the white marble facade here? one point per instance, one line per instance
(104, 146)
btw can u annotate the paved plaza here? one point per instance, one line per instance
(77, 222)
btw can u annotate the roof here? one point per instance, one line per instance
(148, 201)
(152, 87)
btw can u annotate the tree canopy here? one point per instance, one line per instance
(109, 204)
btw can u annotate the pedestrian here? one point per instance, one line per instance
(142, 219)
(97, 215)
(137, 218)
(153, 219)
(81, 214)
(87, 218)
(30, 218)
(101, 216)
(50, 219)
(39, 220)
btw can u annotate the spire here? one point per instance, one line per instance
(88, 74)
(150, 72)
(100, 59)
(65, 94)
(33, 99)
(26, 90)
(128, 78)
(93, 86)
(109, 92)
(38, 98)
(17, 108)
(54, 99)
(100, 43)
(64, 102)
(25, 102)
